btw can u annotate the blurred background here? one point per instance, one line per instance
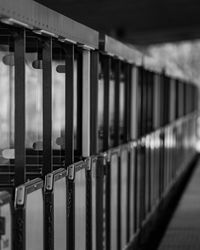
(180, 59)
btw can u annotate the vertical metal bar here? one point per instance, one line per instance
(152, 100)
(47, 141)
(127, 123)
(156, 106)
(168, 98)
(161, 111)
(99, 203)
(146, 75)
(78, 98)
(94, 74)
(69, 106)
(187, 94)
(149, 84)
(89, 229)
(86, 105)
(86, 142)
(143, 102)
(128, 194)
(135, 189)
(69, 140)
(127, 102)
(106, 72)
(131, 191)
(142, 183)
(71, 216)
(164, 99)
(126, 99)
(177, 99)
(139, 103)
(139, 185)
(20, 174)
(149, 175)
(161, 170)
(134, 97)
(184, 101)
(47, 106)
(117, 98)
(108, 206)
(146, 99)
(19, 230)
(118, 204)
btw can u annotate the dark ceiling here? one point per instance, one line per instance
(139, 22)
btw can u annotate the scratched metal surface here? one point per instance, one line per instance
(184, 229)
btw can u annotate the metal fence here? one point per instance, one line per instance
(91, 142)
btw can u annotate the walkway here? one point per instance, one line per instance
(183, 232)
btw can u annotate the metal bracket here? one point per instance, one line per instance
(143, 141)
(20, 195)
(67, 172)
(105, 158)
(12, 21)
(44, 32)
(71, 172)
(133, 144)
(88, 163)
(49, 182)
(86, 47)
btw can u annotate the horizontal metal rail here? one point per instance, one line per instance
(41, 19)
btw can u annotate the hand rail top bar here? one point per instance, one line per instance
(140, 141)
(114, 47)
(35, 16)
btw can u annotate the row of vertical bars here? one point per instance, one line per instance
(20, 174)
(20, 154)
(145, 109)
(146, 105)
(162, 100)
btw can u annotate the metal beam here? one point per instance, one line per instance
(33, 15)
